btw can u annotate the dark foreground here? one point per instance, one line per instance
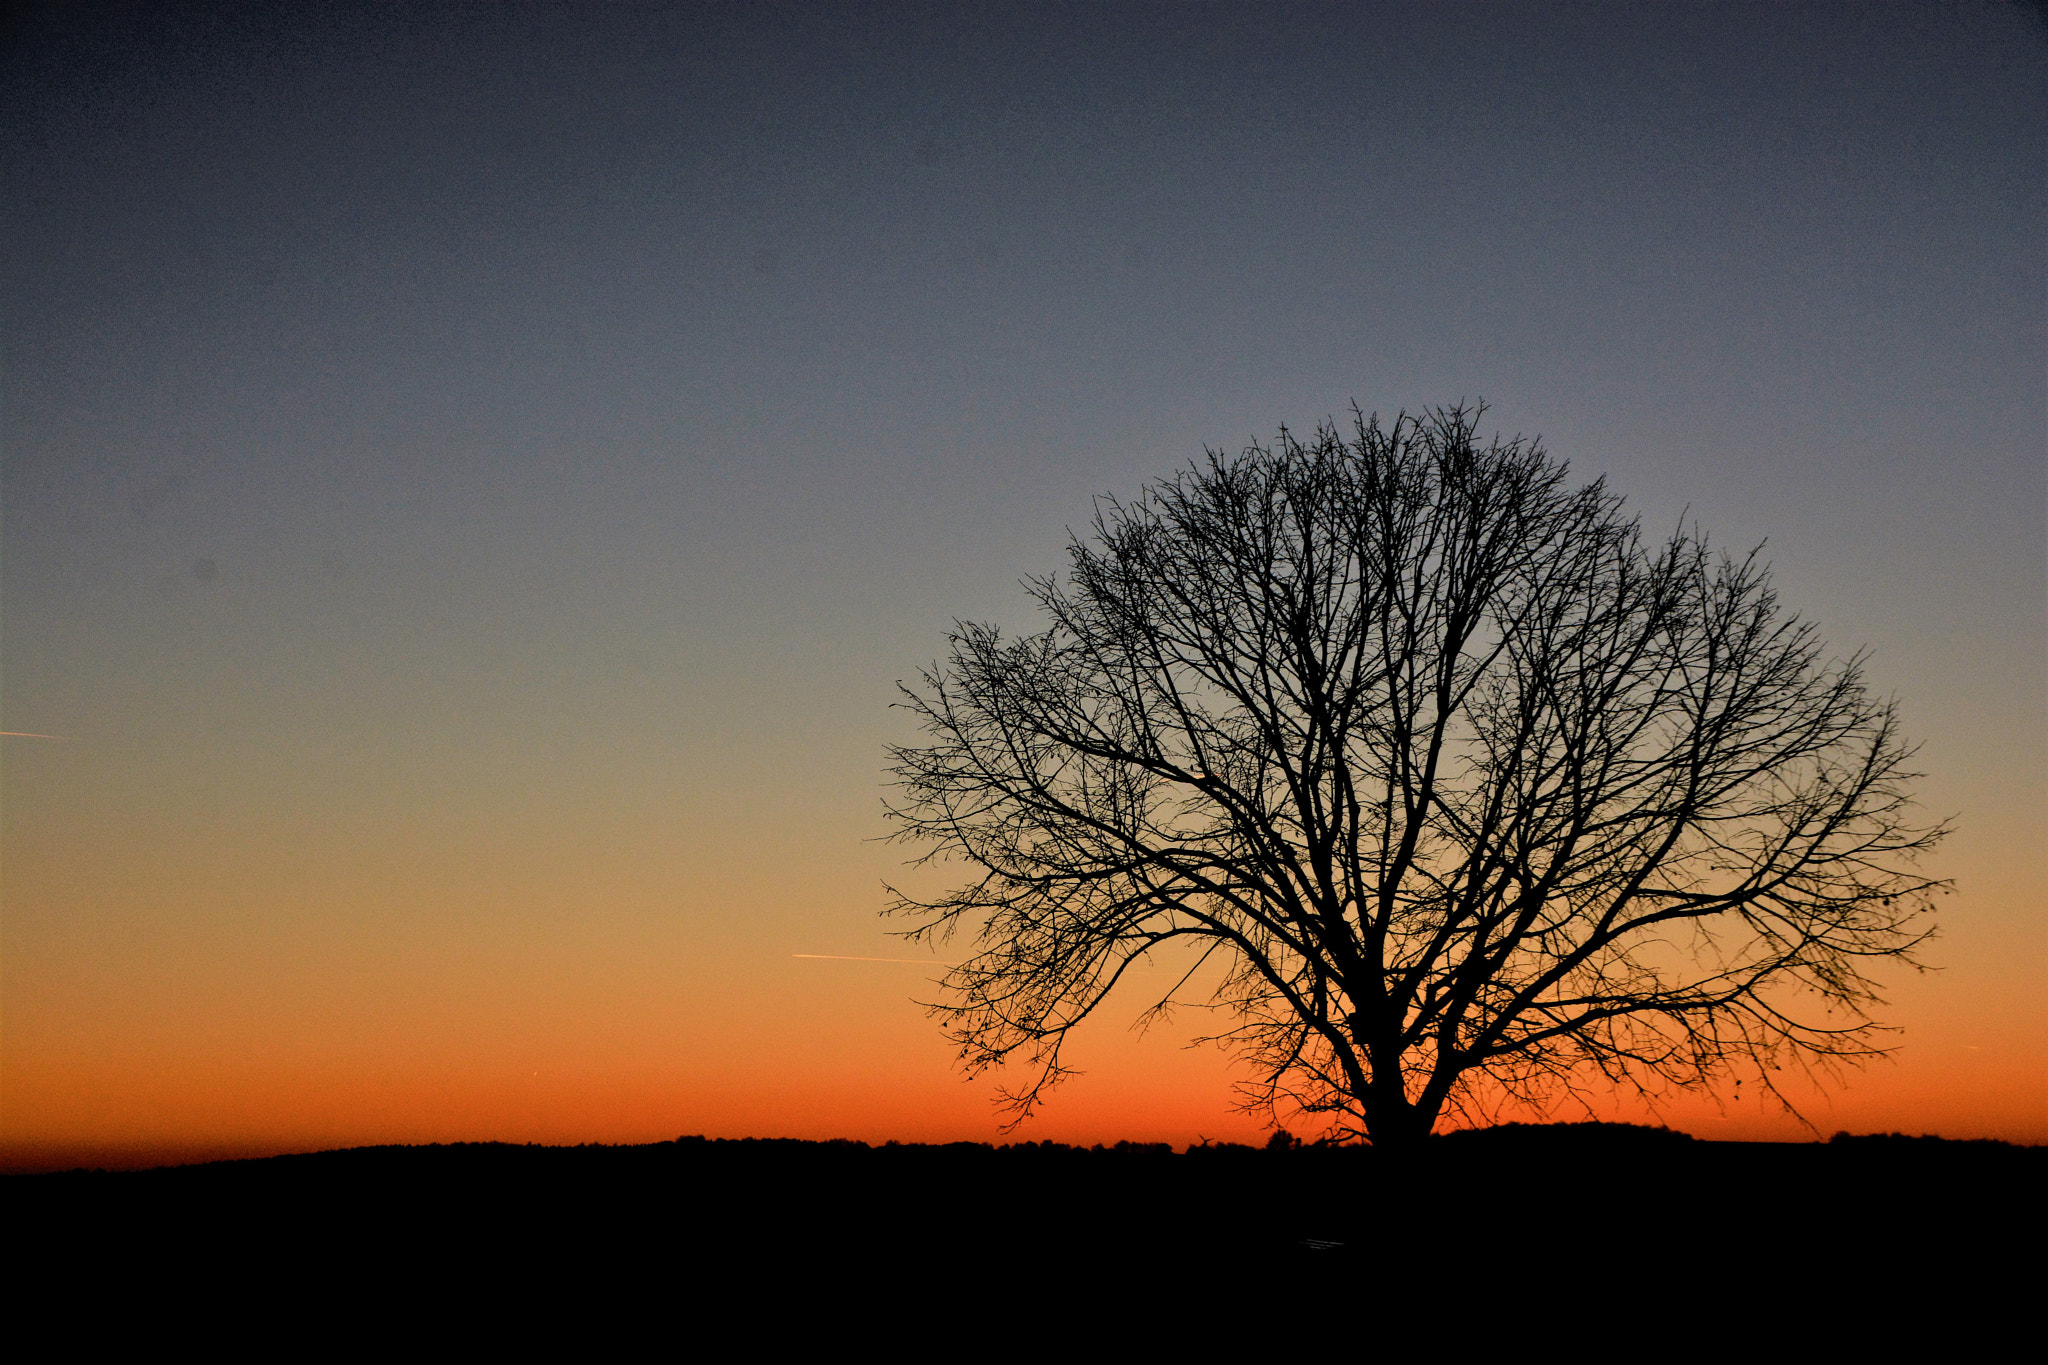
(1595, 1223)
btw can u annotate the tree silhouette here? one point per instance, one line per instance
(1468, 795)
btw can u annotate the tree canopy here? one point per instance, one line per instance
(1468, 793)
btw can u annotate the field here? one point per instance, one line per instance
(1630, 1225)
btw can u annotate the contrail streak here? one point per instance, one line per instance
(29, 734)
(836, 957)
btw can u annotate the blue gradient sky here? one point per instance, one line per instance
(473, 476)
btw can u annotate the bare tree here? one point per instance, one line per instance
(1467, 795)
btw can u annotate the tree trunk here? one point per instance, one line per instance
(1393, 1122)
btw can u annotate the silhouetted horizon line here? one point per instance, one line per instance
(1584, 1134)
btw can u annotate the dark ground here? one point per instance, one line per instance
(1499, 1230)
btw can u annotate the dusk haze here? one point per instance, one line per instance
(484, 490)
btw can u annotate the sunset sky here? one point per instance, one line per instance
(474, 475)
